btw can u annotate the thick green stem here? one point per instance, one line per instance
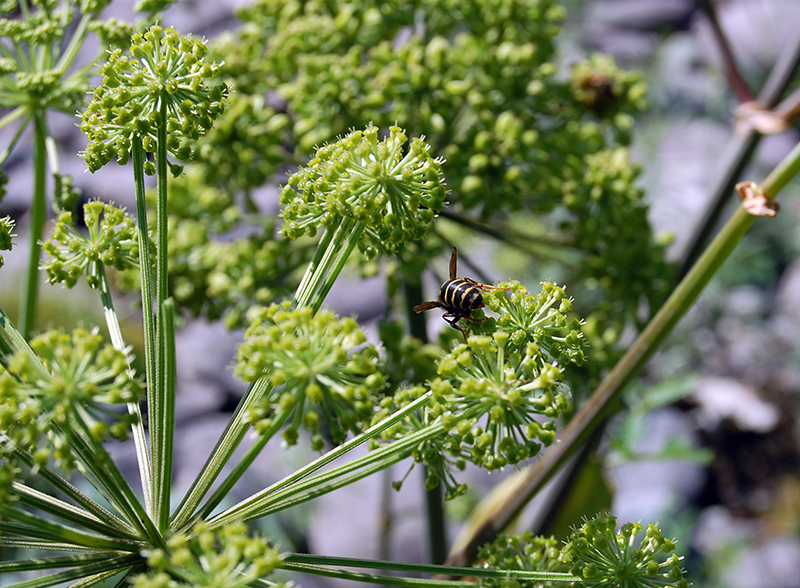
(146, 281)
(161, 407)
(38, 215)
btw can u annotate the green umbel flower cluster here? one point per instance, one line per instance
(394, 189)
(164, 84)
(542, 320)
(41, 81)
(6, 235)
(206, 559)
(319, 374)
(212, 274)
(112, 241)
(602, 556)
(79, 385)
(521, 552)
(498, 397)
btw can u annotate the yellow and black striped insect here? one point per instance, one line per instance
(458, 297)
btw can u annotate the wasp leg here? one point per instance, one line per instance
(484, 286)
(453, 322)
(426, 306)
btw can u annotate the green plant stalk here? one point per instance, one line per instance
(603, 401)
(38, 215)
(109, 481)
(241, 466)
(339, 477)
(14, 341)
(91, 569)
(231, 438)
(146, 284)
(336, 246)
(72, 492)
(68, 512)
(158, 433)
(430, 569)
(35, 526)
(48, 563)
(332, 253)
(168, 424)
(252, 502)
(139, 436)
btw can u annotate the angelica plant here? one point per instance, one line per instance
(496, 400)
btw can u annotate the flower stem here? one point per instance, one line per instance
(146, 280)
(38, 215)
(139, 437)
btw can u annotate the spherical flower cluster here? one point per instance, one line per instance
(228, 557)
(602, 556)
(520, 552)
(510, 399)
(164, 71)
(112, 241)
(319, 375)
(539, 319)
(395, 191)
(76, 379)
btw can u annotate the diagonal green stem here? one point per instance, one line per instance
(335, 248)
(158, 426)
(252, 503)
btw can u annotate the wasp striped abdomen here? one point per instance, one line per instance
(458, 298)
(460, 295)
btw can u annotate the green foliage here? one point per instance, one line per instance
(112, 241)
(474, 82)
(164, 83)
(6, 235)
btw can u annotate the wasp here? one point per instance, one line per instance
(458, 297)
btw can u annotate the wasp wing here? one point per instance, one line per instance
(453, 263)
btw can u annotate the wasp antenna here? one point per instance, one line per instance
(453, 263)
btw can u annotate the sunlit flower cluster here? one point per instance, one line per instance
(164, 82)
(112, 241)
(393, 188)
(323, 376)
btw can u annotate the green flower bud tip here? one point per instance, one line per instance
(608, 557)
(393, 189)
(6, 235)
